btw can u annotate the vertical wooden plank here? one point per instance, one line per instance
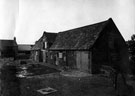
(84, 60)
(36, 55)
(44, 56)
(78, 59)
(90, 62)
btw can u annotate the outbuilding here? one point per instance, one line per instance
(8, 48)
(39, 52)
(89, 47)
(24, 51)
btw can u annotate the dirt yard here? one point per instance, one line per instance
(67, 85)
(73, 83)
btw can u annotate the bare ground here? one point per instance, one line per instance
(66, 83)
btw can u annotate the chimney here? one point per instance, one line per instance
(14, 38)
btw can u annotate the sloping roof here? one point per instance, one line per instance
(79, 38)
(7, 43)
(23, 47)
(50, 37)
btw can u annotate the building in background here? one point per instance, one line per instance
(8, 48)
(39, 51)
(24, 51)
(88, 48)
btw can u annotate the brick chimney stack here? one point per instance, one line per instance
(14, 38)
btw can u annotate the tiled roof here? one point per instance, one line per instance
(81, 38)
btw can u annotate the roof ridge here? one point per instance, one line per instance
(86, 25)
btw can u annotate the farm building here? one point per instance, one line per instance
(88, 48)
(8, 48)
(24, 51)
(40, 49)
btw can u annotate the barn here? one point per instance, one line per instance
(39, 52)
(89, 47)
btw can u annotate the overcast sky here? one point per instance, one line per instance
(27, 19)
